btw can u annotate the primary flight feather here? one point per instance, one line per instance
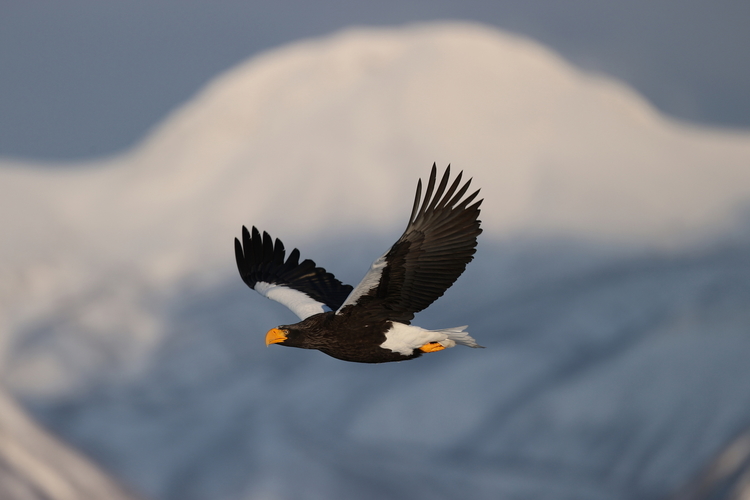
(371, 323)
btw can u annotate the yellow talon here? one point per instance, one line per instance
(432, 347)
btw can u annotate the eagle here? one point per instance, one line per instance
(371, 323)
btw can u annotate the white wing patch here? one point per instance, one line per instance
(300, 303)
(403, 339)
(370, 281)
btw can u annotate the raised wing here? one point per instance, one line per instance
(300, 286)
(439, 241)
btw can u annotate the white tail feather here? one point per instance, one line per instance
(405, 338)
(457, 335)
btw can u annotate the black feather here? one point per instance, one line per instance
(260, 259)
(439, 241)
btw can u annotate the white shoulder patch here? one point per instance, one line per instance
(370, 281)
(298, 302)
(403, 339)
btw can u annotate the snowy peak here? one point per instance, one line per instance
(445, 70)
(353, 119)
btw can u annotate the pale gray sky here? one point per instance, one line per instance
(83, 78)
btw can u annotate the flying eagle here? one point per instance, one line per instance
(371, 323)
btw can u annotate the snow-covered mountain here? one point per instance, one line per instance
(611, 286)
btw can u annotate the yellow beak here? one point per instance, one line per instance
(274, 336)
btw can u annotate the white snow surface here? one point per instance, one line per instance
(611, 285)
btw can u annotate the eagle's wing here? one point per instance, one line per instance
(300, 286)
(439, 241)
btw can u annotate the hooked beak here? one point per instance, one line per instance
(274, 336)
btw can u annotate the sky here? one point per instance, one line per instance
(86, 78)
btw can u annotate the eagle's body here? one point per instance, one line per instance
(365, 340)
(360, 342)
(371, 323)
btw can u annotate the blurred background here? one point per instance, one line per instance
(86, 78)
(611, 286)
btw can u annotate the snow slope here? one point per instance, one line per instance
(36, 466)
(611, 285)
